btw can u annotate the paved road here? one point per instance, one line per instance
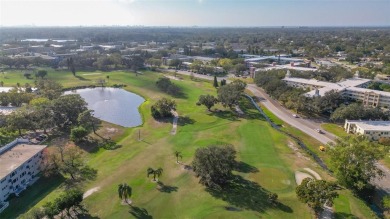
(305, 125)
(285, 115)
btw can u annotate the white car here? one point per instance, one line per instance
(295, 116)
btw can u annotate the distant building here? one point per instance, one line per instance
(373, 130)
(20, 165)
(280, 59)
(354, 88)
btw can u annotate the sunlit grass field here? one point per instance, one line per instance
(268, 163)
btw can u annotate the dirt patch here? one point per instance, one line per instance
(111, 130)
(90, 192)
(173, 78)
(291, 145)
(129, 201)
(108, 131)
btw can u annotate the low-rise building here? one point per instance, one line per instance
(373, 130)
(354, 88)
(20, 165)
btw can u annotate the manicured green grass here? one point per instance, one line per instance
(334, 129)
(272, 116)
(347, 205)
(267, 164)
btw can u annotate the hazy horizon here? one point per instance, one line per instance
(189, 13)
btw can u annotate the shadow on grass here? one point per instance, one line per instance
(81, 78)
(226, 114)
(31, 196)
(246, 194)
(141, 213)
(342, 215)
(185, 120)
(165, 119)
(180, 95)
(165, 188)
(250, 111)
(84, 214)
(89, 145)
(245, 168)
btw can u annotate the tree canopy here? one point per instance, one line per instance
(162, 108)
(68, 161)
(353, 161)
(214, 164)
(316, 193)
(168, 87)
(230, 94)
(207, 100)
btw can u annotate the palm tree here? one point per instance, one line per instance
(177, 155)
(124, 191)
(155, 173)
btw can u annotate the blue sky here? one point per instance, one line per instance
(195, 12)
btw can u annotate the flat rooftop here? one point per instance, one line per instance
(323, 86)
(16, 156)
(372, 125)
(288, 66)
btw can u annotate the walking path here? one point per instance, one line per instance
(174, 123)
(90, 192)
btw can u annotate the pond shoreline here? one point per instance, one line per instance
(112, 104)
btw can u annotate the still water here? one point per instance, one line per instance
(113, 105)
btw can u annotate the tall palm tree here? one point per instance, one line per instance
(177, 155)
(124, 191)
(155, 173)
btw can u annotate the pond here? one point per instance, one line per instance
(113, 105)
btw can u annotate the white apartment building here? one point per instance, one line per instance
(354, 88)
(374, 130)
(19, 168)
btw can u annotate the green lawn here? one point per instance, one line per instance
(267, 163)
(347, 205)
(334, 129)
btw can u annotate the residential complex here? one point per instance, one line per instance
(20, 165)
(374, 130)
(354, 88)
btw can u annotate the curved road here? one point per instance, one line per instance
(305, 125)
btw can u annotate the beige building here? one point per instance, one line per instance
(19, 168)
(353, 88)
(373, 130)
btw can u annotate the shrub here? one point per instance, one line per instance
(384, 141)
